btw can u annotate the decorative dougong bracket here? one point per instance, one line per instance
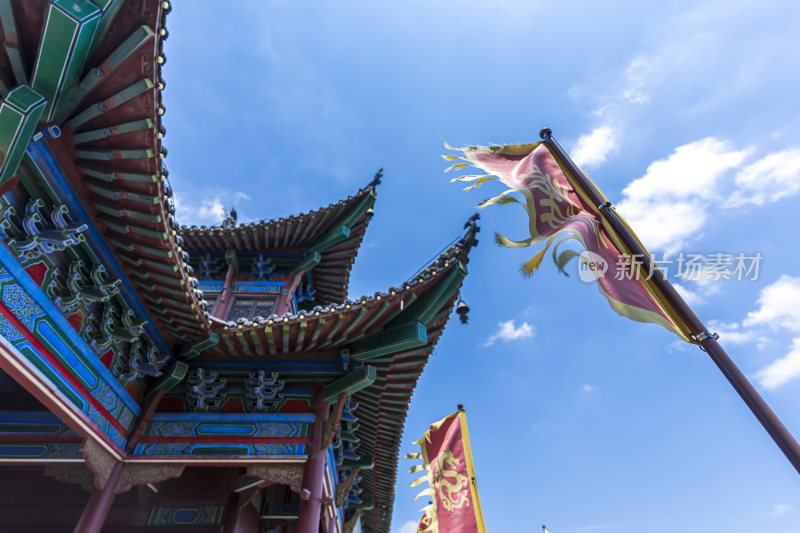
(211, 266)
(264, 391)
(34, 236)
(205, 390)
(136, 365)
(305, 292)
(262, 267)
(80, 290)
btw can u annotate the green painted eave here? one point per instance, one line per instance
(398, 339)
(350, 384)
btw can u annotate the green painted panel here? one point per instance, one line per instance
(350, 384)
(390, 341)
(334, 236)
(68, 32)
(309, 262)
(19, 116)
(13, 49)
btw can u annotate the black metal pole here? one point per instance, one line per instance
(785, 441)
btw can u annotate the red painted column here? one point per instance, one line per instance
(314, 472)
(225, 297)
(285, 299)
(96, 511)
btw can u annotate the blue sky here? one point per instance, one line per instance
(684, 113)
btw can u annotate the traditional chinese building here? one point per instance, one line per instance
(156, 377)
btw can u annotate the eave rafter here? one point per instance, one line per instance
(97, 66)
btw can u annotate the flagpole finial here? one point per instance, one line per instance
(461, 407)
(545, 133)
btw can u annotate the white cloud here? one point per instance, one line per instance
(588, 388)
(781, 371)
(209, 210)
(669, 204)
(408, 527)
(691, 297)
(638, 74)
(780, 508)
(778, 305)
(770, 178)
(507, 331)
(777, 309)
(592, 149)
(731, 332)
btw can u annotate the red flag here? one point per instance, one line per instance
(451, 477)
(557, 207)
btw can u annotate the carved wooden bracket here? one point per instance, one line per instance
(332, 422)
(290, 474)
(100, 463)
(344, 487)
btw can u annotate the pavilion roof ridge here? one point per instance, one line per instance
(371, 187)
(449, 258)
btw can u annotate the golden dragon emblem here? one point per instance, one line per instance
(451, 485)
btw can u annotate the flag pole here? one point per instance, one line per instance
(708, 342)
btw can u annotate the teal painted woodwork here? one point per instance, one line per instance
(69, 29)
(142, 35)
(128, 127)
(110, 176)
(186, 516)
(287, 511)
(108, 10)
(350, 384)
(365, 203)
(176, 373)
(232, 259)
(429, 304)
(334, 236)
(309, 262)
(366, 504)
(366, 462)
(19, 116)
(110, 103)
(195, 350)
(390, 341)
(13, 49)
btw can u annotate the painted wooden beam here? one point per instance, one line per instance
(170, 378)
(390, 341)
(108, 10)
(334, 236)
(366, 504)
(365, 203)
(19, 116)
(366, 462)
(195, 350)
(111, 102)
(309, 262)
(128, 127)
(68, 32)
(349, 384)
(15, 53)
(232, 259)
(141, 36)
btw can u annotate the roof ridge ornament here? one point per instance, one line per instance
(230, 217)
(377, 179)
